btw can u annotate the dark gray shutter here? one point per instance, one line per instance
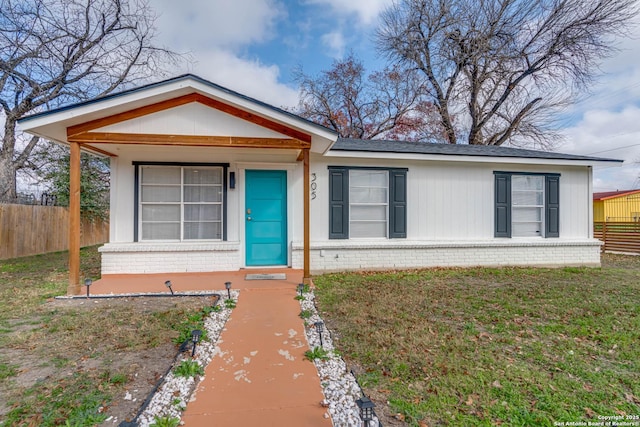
(502, 205)
(397, 203)
(338, 203)
(552, 206)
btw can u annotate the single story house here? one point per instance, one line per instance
(622, 206)
(206, 179)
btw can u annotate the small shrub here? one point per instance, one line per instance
(305, 314)
(188, 368)
(229, 303)
(316, 353)
(165, 421)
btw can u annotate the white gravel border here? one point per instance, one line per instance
(172, 396)
(341, 390)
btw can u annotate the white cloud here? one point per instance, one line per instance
(195, 25)
(214, 33)
(607, 120)
(335, 42)
(608, 134)
(366, 10)
(248, 77)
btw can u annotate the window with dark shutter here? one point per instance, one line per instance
(397, 203)
(527, 204)
(338, 203)
(552, 208)
(367, 202)
(503, 205)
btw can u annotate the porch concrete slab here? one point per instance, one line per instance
(260, 376)
(187, 282)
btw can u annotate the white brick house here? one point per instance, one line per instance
(206, 179)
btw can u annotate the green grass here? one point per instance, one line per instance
(75, 400)
(7, 370)
(481, 346)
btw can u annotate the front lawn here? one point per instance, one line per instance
(485, 346)
(73, 362)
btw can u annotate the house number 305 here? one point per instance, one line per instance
(314, 186)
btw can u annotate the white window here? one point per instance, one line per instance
(527, 205)
(368, 203)
(181, 203)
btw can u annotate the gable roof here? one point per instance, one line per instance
(406, 147)
(53, 124)
(613, 194)
(183, 77)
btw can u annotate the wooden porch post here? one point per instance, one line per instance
(307, 200)
(74, 220)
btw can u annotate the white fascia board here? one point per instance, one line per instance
(107, 107)
(468, 159)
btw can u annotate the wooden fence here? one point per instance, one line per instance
(32, 229)
(618, 236)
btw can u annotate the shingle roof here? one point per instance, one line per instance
(405, 147)
(611, 194)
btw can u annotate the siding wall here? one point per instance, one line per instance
(450, 217)
(454, 200)
(621, 208)
(598, 210)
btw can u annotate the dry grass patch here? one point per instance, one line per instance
(71, 361)
(513, 346)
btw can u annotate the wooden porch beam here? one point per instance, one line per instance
(74, 220)
(187, 140)
(253, 118)
(307, 219)
(182, 100)
(131, 114)
(94, 150)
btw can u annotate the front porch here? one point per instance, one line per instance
(190, 164)
(118, 284)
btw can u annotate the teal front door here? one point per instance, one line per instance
(266, 217)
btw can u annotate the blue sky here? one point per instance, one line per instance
(253, 46)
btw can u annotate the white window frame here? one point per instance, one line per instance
(540, 207)
(182, 203)
(385, 204)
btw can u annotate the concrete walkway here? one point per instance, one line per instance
(260, 376)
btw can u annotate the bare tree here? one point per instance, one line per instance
(54, 52)
(503, 67)
(387, 104)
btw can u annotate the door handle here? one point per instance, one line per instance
(248, 218)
